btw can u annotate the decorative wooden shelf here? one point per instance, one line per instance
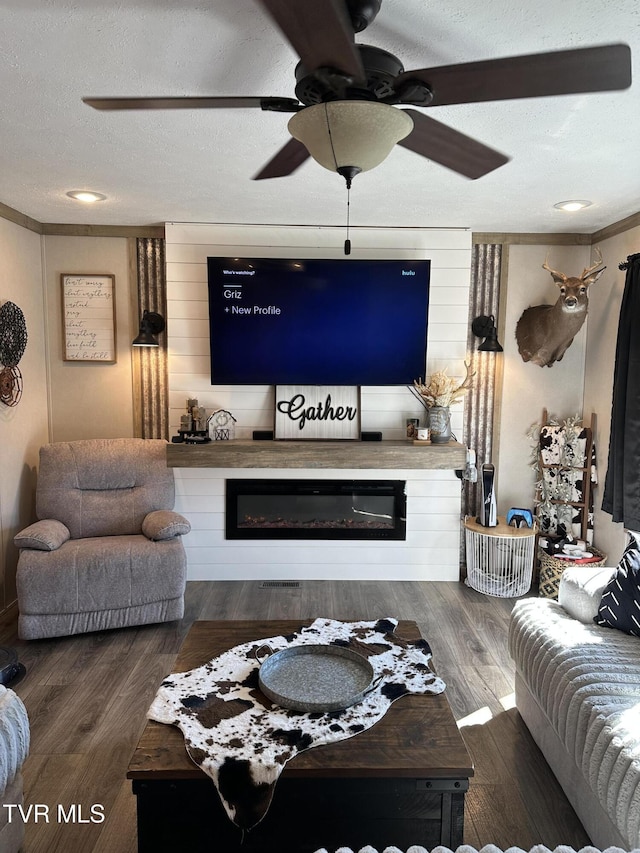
(242, 453)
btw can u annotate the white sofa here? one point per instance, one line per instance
(578, 691)
(14, 747)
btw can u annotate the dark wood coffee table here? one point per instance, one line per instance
(401, 782)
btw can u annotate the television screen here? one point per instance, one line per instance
(277, 321)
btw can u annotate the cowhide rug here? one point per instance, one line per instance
(243, 741)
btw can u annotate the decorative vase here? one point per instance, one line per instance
(440, 424)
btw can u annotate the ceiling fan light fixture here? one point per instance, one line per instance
(342, 134)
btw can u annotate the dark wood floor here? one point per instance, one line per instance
(87, 697)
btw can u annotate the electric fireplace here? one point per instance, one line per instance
(315, 509)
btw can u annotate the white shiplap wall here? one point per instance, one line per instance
(431, 550)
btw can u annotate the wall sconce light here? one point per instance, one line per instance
(151, 325)
(485, 327)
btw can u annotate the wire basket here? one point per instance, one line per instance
(551, 569)
(499, 565)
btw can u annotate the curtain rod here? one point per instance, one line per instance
(630, 260)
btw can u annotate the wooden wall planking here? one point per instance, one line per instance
(431, 551)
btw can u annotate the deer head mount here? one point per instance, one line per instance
(545, 332)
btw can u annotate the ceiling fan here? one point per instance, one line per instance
(345, 108)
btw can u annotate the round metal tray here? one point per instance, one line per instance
(315, 677)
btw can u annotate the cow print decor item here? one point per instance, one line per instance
(242, 740)
(562, 447)
(620, 604)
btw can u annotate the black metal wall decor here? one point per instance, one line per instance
(13, 340)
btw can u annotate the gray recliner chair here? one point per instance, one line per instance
(106, 551)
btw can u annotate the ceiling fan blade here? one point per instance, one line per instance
(320, 32)
(450, 148)
(193, 103)
(285, 162)
(563, 72)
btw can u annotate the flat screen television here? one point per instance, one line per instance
(285, 321)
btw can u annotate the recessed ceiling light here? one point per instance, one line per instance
(573, 204)
(88, 196)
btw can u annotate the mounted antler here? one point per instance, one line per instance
(545, 332)
(557, 276)
(561, 277)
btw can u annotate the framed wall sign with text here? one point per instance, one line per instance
(89, 317)
(317, 412)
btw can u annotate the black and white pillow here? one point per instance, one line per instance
(620, 604)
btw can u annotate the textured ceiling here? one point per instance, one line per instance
(197, 165)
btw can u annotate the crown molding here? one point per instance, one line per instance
(12, 215)
(502, 237)
(531, 239)
(61, 230)
(615, 228)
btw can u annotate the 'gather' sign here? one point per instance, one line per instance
(317, 412)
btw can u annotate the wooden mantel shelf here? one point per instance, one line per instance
(316, 454)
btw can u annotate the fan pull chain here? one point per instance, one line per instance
(347, 242)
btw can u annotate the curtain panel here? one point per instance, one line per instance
(621, 497)
(150, 363)
(484, 297)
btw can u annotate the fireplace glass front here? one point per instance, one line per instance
(315, 509)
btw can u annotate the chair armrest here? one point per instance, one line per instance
(164, 524)
(48, 534)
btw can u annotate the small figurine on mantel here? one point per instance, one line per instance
(221, 425)
(198, 415)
